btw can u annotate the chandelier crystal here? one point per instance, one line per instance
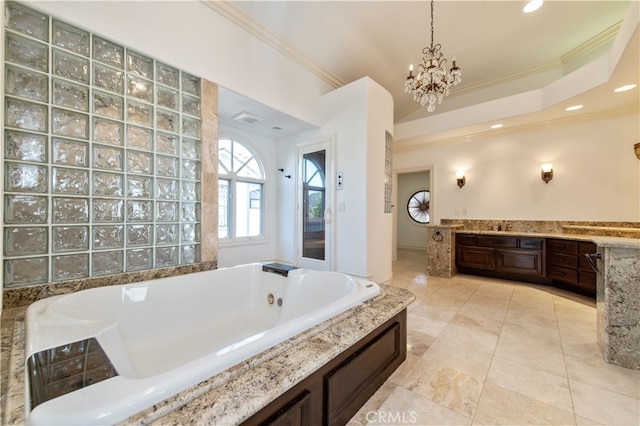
(433, 81)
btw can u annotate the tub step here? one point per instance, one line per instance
(278, 268)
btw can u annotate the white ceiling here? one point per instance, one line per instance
(501, 50)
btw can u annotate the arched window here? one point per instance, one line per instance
(241, 181)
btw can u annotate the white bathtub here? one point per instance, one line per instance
(165, 335)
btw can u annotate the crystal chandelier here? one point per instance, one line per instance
(432, 83)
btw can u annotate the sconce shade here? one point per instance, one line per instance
(460, 179)
(636, 148)
(547, 172)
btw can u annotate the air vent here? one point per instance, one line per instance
(246, 118)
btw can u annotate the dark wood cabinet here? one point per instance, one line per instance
(334, 393)
(509, 257)
(569, 268)
(551, 261)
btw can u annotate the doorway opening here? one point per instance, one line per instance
(414, 209)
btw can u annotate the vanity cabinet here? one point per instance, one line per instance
(568, 266)
(501, 256)
(552, 261)
(334, 393)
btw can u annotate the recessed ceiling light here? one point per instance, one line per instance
(496, 126)
(625, 88)
(532, 6)
(574, 107)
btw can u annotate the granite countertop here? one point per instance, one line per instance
(603, 241)
(237, 393)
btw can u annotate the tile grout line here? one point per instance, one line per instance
(564, 361)
(493, 355)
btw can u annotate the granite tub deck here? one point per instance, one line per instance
(237, 393)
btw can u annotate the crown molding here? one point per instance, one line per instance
(486, 84)
(421, 142)
(250, 25)
(594, 43)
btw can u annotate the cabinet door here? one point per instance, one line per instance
(476, 257)
(527, 262)
(296, 413)
(353, 382)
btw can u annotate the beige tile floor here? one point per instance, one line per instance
(484, 352)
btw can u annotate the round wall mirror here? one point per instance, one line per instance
(418, 206)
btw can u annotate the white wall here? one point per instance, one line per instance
(596, 174)
(357, 115)
(410, 234)
(259, 249)
(379, 224)
(191, 36)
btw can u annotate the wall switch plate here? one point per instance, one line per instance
(339, 180)
(341, 206)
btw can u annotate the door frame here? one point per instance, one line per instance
(400, 208)
(326, 143)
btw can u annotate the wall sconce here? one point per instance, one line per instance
(547, 172)
(636, 148)
(460, 178)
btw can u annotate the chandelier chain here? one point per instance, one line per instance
(431, 24)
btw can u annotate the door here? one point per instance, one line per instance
(314, 206)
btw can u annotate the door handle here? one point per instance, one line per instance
(591, 258)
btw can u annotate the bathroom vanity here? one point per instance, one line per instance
(561, 262)
(597, 259)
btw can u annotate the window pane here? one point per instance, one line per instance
(248, 209)
(223, 208)
(240, 156)
(251, 169)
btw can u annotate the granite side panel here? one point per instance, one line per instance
(441, 251)
(619, 309)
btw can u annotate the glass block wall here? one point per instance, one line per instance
(388, 172)
(102, 145)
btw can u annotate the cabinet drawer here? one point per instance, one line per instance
(562, 246)
(530, 243)
(476, 257)
(508, 242)
(466, 239)
(559, 259)
(562, 274)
